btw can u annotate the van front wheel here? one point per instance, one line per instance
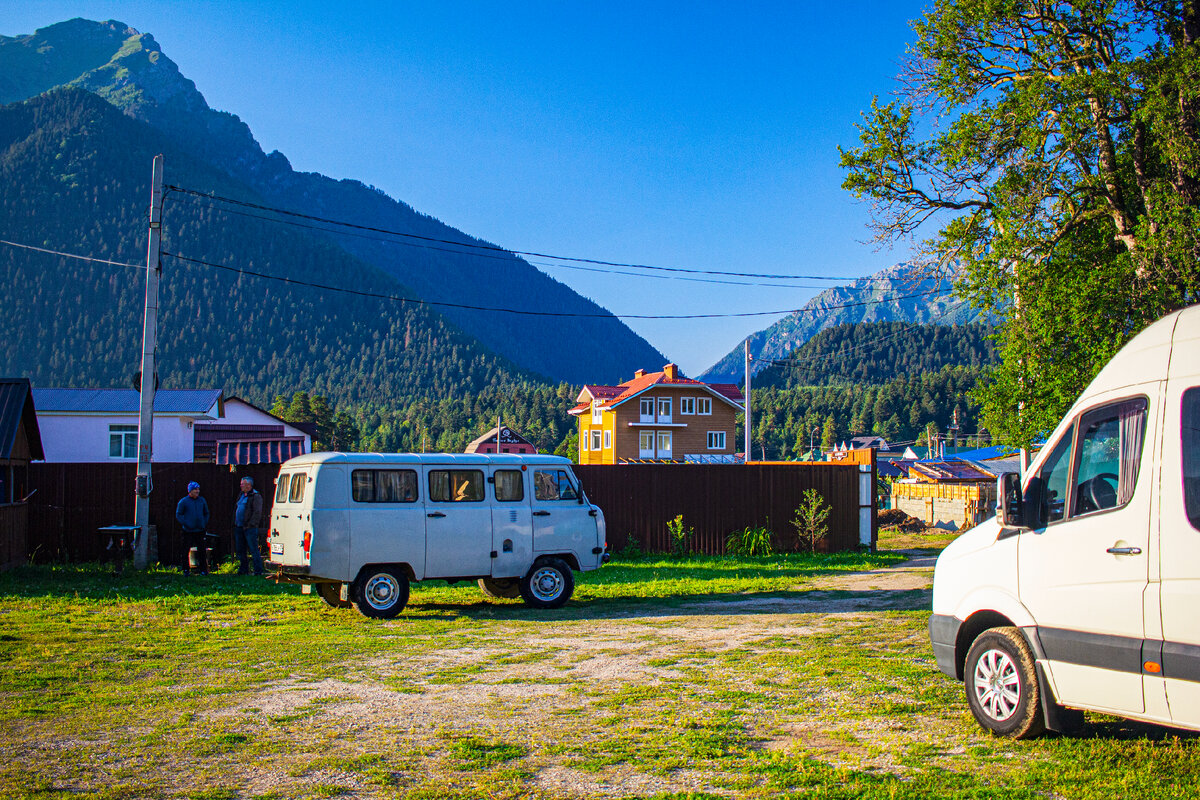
(548, 584)
(381, 592)
(1002, 686)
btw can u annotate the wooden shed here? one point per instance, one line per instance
(20, 443)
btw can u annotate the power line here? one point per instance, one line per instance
(494, 248)
(71, 255)
(526, 312)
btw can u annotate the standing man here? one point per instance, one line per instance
(192, 515)
(246, 519)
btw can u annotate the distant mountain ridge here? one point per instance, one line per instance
(129, 70)
(888, 295)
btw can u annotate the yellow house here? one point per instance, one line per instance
(658, 416)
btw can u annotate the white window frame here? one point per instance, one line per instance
(704, 406)
(664, 409)
(643, 438)
(608, 440)
(126, 432)
(687, 405)
(643, 404)
(583, 441)
(716, 440)
(595, 438)
(597, 413)
(664, 436)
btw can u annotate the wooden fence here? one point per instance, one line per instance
(74, 500)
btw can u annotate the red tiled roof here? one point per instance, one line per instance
(612, 396)
(729, 390)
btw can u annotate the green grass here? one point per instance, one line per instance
(652, 682)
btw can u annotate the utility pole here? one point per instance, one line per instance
(143, 483)
(749, 455)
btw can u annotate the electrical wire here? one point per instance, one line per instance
(71, 255)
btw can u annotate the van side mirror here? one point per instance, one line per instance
(1010, 501)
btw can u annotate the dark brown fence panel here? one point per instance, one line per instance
(14, 520)
(74, 500)
(716, 499)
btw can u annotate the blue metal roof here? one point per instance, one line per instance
(124, 401)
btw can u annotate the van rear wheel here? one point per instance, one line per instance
(381, 592)
(548, 584)
(1002, 686)
(501, 588)
(331, 593)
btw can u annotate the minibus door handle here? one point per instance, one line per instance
(1124, 551)
(541, 513)
(435, 514)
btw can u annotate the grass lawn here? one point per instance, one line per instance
(702, 677)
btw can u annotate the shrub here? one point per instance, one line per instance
(681, 536)
(809, 521)
(631, 550)
(749, 542)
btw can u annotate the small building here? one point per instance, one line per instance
(20, 443)
(658, 416)
(246, 434)
(509, 442)
(950, 494)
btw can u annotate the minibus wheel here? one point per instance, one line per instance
(1002, 686)
(502, 588)
(548, 584)
(331, 593)
(381, 592)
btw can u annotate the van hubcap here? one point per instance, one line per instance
(997, 685)
(547, 584)
(381, 591)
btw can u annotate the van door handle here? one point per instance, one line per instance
(1124, 551)
(541, 513)
(435, 514)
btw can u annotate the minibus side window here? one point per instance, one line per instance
(383, 485)
(510, 485)
(456, 486)
(553, 485)
(1048, 489)
(1109, 456)
(1191, 455)
(296, 495)
(282, 484)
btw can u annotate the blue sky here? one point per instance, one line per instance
(698, 135)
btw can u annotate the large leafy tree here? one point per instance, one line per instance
(1047, 155)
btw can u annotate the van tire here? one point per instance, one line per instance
(331, 593)
(1002, 686)
(500, 588)
(548, 584)
(380, 592)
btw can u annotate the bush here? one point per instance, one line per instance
(749, 542)
(631, 550)
(681, 536)
(809, 521)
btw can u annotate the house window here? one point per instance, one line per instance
(703, 405)
(596, 412)
(122, 441)
(646, 444)
(664, 409)
(716, 440)
(595, 440)
(608, 440)
(646, 409)
(456, 486)
(687, 405)
(583, 441)
(664, 444)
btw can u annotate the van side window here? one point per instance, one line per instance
(383, 485)
(1048, 489)
(456, 486)
(509, 485)
(1109, 456)
(296, 494)
(1191, 455)
(282, 484)
(553, 484)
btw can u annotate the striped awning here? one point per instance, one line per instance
(259, 451)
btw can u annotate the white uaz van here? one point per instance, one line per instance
(360, 526)
(1084, 593)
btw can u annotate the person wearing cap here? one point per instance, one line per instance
(192, 515)
(247, 516)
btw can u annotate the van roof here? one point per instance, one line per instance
(1148, 356)
(450, 459)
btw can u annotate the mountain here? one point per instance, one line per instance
(888, 295)
(432, 260)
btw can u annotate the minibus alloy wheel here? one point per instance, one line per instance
(502, 588)
(381, 592)
(548, 584)
(1002, 686)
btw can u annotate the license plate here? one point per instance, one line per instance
(276, 548)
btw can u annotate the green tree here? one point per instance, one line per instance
(828, 433)
(1055, 146)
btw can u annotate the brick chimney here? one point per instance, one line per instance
(671, 372)
(638, 373)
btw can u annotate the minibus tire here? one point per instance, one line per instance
(548, 584)
(1001, 658)
(331, 593)
(381, 592)
(500, 588)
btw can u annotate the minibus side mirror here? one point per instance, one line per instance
(1010, 501)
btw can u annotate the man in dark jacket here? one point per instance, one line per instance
(247, 517)
(192, 515)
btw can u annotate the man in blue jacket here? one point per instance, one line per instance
(192, 515)
(247, 517)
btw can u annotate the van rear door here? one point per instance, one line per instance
(289, 514)
(458, 523)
